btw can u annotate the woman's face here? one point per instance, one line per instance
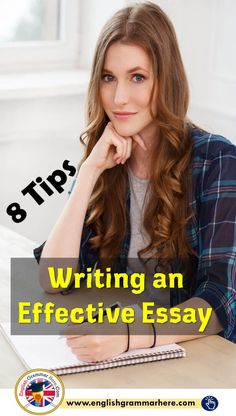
(126, 86)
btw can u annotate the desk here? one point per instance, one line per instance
(210, 361)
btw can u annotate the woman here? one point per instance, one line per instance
(147, 168)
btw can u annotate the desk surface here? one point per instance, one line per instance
(210, 361)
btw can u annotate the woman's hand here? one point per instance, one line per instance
(112, 149)
(96, 342)
(91, 346)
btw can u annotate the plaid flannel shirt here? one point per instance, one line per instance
(211, 231)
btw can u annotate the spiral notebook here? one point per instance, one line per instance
(52, 353)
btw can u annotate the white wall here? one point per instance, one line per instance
(206, 31)
(94, 15)
(36, 135)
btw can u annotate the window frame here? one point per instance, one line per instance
(37, 55)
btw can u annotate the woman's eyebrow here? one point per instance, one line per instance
(136, 68)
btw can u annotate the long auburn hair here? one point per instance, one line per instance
(167, 211)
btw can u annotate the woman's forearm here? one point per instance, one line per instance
(178, 332)
(65, 237)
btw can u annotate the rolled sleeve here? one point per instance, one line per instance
(38, 251)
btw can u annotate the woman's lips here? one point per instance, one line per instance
(123, 115)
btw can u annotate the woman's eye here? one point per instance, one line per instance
(107, 78)
(139, 78)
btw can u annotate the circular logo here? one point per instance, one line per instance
(39, 391)
(209, 403)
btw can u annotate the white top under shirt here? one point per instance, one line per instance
(139, 239)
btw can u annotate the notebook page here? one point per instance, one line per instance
(48, 351)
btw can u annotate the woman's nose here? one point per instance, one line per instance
(121, 96)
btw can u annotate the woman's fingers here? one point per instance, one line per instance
(117, 142)
(77, 342)
(122, 150)
(123, 159)
(128, 149)
(127, 143)
(82, 354)
(138, 139)
(124, 145)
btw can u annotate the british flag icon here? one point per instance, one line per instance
(40, 392)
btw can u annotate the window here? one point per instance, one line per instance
(39, 34)
(30, 20)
